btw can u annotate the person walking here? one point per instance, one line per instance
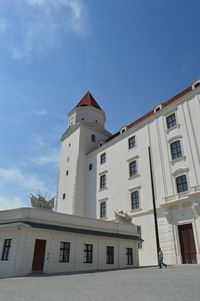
(160, 259)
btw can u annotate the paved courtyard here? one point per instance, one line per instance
(144, 284)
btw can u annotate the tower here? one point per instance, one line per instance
(84, 133)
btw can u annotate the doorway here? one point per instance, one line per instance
(38, 257)
(187, 243)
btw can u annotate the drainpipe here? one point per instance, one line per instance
(154, 203)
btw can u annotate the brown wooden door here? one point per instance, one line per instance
(187, 244)
(38, 257)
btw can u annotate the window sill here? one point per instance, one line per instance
(178, 159)
(177, 126)
(133, 177)
(102, 189)
(135, 210)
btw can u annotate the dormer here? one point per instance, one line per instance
(87, 111)
(196, 84)
(123, 129)
(158, 107)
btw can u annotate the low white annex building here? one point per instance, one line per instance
(40, 240)
(100, 172)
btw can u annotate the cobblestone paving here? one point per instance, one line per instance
(144, 284)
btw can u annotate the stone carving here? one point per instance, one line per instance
(40, 201)
(122, 217)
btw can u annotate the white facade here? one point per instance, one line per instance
(24, 227)
(171, 131)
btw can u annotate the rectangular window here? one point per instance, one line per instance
(139, 232)
(109, 255)
(103, 158)
(181, 184)
(90, 166)
(135, 201)
(103, 209)
(171, 120)
(88, 248)
(129, 256)
(176, 149)
(133, 168)
(64, 251)
(6, 249)
(131, 142)
(63, 196)
(102, 181)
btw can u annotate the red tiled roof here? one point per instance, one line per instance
(88, 100)
(147, 115)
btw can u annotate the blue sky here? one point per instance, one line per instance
(130, 54)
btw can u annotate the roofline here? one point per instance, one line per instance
(140, 121)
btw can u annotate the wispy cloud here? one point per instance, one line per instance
(16, 177)
(41, 112)
(38, 26)
(51, 158)
(10, 203)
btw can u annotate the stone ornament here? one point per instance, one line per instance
(40, 201)
(122, 217)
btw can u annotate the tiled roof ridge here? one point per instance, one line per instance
(88, 100)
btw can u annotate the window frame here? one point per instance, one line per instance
(135, 200)
(182, 185)
(171, 123)
(103, 158)
(88, 253)
(133, 168)
(131, 144)
(176, 150)
(103, 209)
(64, 255)
(129, 256)
(6, 249)
(109, 255)
(102, 183)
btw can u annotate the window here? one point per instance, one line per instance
(82, 118)
(93, 138)
(63, 196)
(176, 149)
(67, 172)
(6, 249)
(171, 120)
(103, 209)
(133, 168)
(131, 142)
(139, 232)
(64, 251)
(88, 248)
(181, 184)
(129, 256)
(109, 255)
(103, 158)
(90, 166)
(102, 181)
(69, 144)
(67, 159)
(135, 202)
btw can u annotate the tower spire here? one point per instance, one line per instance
(88, 100)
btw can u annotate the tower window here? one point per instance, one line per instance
(109, 255)
(63, 196)
(82, 118)
(67, 172)
(90, 166)
(103, 209)
(102, 181)
(69, 144)
(93, 138)
(135, 201)
(133, 168)
(129, 256)
(139, 232)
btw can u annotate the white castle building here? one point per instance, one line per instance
(100, 173)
